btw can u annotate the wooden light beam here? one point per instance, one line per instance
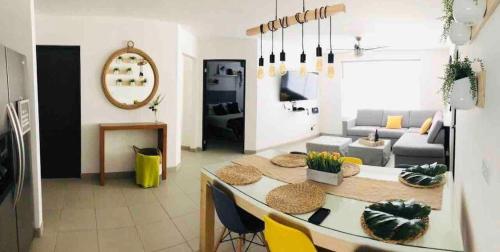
(306, 16)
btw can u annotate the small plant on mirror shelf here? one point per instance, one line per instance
(153, 106)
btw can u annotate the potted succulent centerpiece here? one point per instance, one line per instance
(325, 167)
(460, 83)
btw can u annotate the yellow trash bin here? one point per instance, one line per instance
(147, 167)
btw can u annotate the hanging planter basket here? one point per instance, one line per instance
(459, 33)
(461, 96)
(469, 12)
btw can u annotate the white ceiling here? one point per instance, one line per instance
(406, 24)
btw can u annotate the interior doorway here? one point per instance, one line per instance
(188, 125)
(59, 110)
(224, 104)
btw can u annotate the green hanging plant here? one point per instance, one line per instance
(447, 18)
(457, 70)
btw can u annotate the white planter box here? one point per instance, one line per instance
(461, 97)
(325, 177)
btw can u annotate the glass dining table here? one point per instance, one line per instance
(341, 230)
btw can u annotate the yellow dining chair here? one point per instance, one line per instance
(281, 238)
(353, 160)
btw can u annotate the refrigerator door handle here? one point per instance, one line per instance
(19, 157)
(23, 153)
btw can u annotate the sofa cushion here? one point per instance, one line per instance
(391, 133)
(437, 124)
(404, 113)
(369, 117)
(417, 117)
(361, 130)
(415, 145)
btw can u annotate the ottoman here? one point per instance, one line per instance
(330, 144)
(376, 156)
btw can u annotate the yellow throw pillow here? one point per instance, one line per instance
(426, 126)
(394, 122)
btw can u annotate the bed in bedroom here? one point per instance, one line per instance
(224, 118)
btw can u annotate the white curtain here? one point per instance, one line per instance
(380, 84)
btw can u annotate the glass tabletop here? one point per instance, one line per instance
(444, 226)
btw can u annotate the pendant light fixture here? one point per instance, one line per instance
(331, 56)
(303, 66)
(272, 58)
(284, 25)
(260, 69)
(319, 51)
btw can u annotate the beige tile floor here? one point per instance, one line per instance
(80, 215)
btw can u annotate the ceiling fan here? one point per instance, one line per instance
(358, 50)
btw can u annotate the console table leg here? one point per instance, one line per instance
(102, 138)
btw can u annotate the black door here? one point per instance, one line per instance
(59, 110)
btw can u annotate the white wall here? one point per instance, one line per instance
(17, 32)
(477, 146)
(277, 125)
(330, 118)
(98, 37)
(432, 67)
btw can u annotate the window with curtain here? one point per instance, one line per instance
(380, 84)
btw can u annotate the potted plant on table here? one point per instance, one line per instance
(460, 83)
(153, 106)
(325, 167)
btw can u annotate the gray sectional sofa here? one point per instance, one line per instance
(408, 145)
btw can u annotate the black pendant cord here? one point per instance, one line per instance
(330, 34)
(305, 14)
(319, 32)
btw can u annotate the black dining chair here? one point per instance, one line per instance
(237, 221)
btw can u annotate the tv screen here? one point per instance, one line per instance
(297, 88)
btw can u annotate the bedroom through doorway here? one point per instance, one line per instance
(224, 105)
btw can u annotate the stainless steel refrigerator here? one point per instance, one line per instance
(16, 182)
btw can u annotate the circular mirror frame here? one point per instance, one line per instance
(129, 49)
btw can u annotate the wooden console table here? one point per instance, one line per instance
(162, 141)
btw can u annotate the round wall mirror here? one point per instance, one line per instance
(129, 78)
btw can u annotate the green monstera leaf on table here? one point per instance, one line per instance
(424, 175)
(396, 220)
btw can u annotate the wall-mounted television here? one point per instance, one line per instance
(295, 87)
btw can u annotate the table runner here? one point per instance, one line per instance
(365, 189)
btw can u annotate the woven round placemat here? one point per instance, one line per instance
(402, 180)
(290, 160)
(369, 232)
(349, 169)
(239, 174)
(298, 198)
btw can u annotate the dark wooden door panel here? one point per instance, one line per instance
(59, 110)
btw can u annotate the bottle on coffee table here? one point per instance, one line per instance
(376, 136)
